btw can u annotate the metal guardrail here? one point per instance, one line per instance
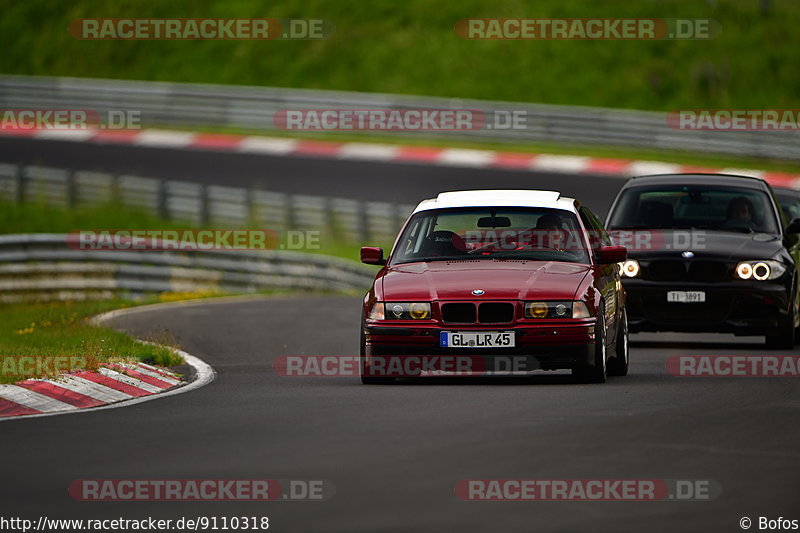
(343, 219)
(253, 108)
(43, 267)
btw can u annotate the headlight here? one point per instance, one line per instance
(760, 270)
(556, 309)
(402, 311)
(630, 268)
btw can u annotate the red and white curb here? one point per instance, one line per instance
(84, 389)
(113, 385)
(399, 153)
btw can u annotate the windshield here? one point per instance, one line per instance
(702, 207)
(492, 233)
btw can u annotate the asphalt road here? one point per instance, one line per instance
(395, 453)
(397, 182)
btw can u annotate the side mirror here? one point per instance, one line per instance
(794, 226)
(611, 254)
(372, 256)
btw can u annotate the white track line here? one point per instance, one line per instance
(66, 135)
(560, 163)
(466, 158)
(267, 145)
(643, 168)
(164, 138)
(368, 152)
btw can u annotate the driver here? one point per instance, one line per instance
(740, 208)
(549, 232)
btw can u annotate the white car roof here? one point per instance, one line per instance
(498, 198)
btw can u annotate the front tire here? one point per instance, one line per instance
(618, 365)
(598, 372)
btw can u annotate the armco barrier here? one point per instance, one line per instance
(186, 105)
(346, 219)
(42, 267)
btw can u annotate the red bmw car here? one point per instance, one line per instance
(497, 276)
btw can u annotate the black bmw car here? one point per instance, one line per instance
(708, 253)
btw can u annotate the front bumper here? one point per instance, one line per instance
(545, 346)
(742, 308)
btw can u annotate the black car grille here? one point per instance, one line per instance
(666, 270)
(458, 313)
(495, 313)
(707, 271)
(696, 271)
(486, 313)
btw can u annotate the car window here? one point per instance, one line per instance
(597, 233)
(704, 207)
(790, 205)
(492, 233)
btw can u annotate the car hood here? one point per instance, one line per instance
(705, 244)
(500, 279)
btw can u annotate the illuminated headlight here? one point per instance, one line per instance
(760, 270)
(630, 268)
(401, 311)
(557, 309)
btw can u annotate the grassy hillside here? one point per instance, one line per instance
(411, 47)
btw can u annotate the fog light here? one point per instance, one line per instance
(536, 309)
(420, 311)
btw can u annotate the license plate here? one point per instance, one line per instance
(477, 339)
(686, 297)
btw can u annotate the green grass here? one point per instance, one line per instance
(411, 47)
(43, 332)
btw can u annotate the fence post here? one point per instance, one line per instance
(205, 214)
(329, 218)
(116, 193)
(163, 203)
(291, 219)
(19, 179)
(71, 189)
(249, 207)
